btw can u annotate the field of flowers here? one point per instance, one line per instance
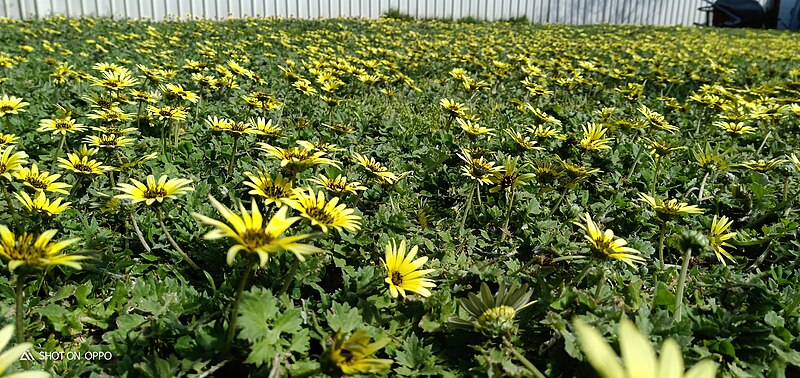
(404, 198)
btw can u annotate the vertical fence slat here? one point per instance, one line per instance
(574, 12)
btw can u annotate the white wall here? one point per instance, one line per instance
(656, 12)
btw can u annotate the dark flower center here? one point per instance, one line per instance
(274, 191)
(255, 238)
(24, 249)
(397, 278)
(6, 108)
(506, 182)
(37, 183)
(62, 124)
(83, 168)
(320, 215)
(154, 193)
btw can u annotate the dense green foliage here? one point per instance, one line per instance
(160, 317)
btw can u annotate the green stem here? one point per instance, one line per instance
(600, 283)
(235, 306)
(20, 308)
(78, 180)
(655, 176)
(449, 122)
(525, 362)
(139, 233)
(233, 155)
(785, 189)
(164, 139)
(635, 160)
(287, 281)
(509, 206)
(558, 203)
(584, 272)
(702, 188)
(139, 115)
(467, 208)
(662, 234)
(58, 151)
(10, 207)
(763, 142)
(172, 242)
(681, 284)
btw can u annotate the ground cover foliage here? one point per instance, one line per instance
(503, 154)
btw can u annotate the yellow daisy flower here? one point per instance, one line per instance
(544, 131)
(167, 113)
(14, 354)
(252, 235)
(717, 238)
(115, 80)
(338, 186)
(40, 204)
(41, 180)
(277, 191)
(402, 271)
(671, 207)
(322, 213)
(297, 158)
(108, 141)
(10, 163)
(177, 91)
(60, 125)
(218, 124)
(510, 177)
(737, 128)
(83, 165)
(153, 191)
(609, 246)
(473, 128)
(478, 169)
(762, 165)
(638, 357)
(7, 139)
(264, 127)
(593, 137)
(23, 250)
(453, 109)
(352, 355)
(84, 150)
(522, 142)
(11, 105)
(376, 169)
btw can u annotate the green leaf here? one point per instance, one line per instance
(256, 311)
(343, 318)
(773, 319)
(664, 297)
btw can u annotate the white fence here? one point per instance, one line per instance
(652, 12)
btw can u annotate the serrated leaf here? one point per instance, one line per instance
(343, 318)
(256, 313)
